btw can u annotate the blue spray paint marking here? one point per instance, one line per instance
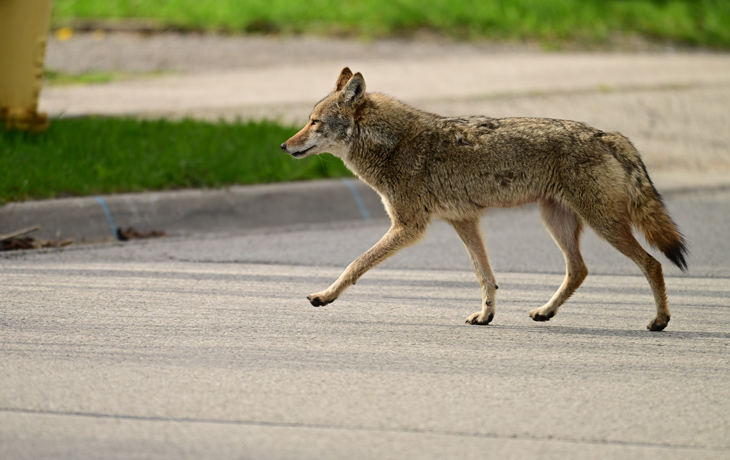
(363, 210)
(109, 219)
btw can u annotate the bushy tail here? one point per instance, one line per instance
(646, 207)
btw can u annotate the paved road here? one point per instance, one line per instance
(204, 346)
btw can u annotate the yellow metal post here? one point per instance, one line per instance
(23, 30)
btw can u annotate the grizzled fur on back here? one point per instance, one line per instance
(427, 166)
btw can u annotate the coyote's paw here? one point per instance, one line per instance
(319, 300)
(539, 314)
(478, 318)
(657, 324)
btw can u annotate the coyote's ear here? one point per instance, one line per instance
(344, 77)
(354, 90)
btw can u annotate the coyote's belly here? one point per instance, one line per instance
(465, 199)
(472, 182)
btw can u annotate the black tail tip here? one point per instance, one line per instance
(677, 254)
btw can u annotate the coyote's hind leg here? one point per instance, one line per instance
(470, 234)
(565, 227)
(622, 238)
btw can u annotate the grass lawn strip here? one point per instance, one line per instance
(551, 22)
(88, 156)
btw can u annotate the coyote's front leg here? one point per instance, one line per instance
(471, 235)
(397, 237)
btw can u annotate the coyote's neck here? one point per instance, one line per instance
(380, 141)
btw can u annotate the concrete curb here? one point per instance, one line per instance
(196, 211)
(238, 208)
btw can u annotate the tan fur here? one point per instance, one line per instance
(426, 166)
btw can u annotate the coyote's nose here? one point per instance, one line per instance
(283, 146)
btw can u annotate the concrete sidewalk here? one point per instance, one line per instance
(289, 91)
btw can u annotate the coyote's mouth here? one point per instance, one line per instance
(302, 152)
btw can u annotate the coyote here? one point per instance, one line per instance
(424, 166)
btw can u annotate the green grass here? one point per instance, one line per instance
(552, 22)
(87, 156)
(54, 78)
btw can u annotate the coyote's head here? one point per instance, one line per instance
(332, 121)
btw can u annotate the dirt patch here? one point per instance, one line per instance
(20, 240)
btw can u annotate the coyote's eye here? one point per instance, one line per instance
(315, 122)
